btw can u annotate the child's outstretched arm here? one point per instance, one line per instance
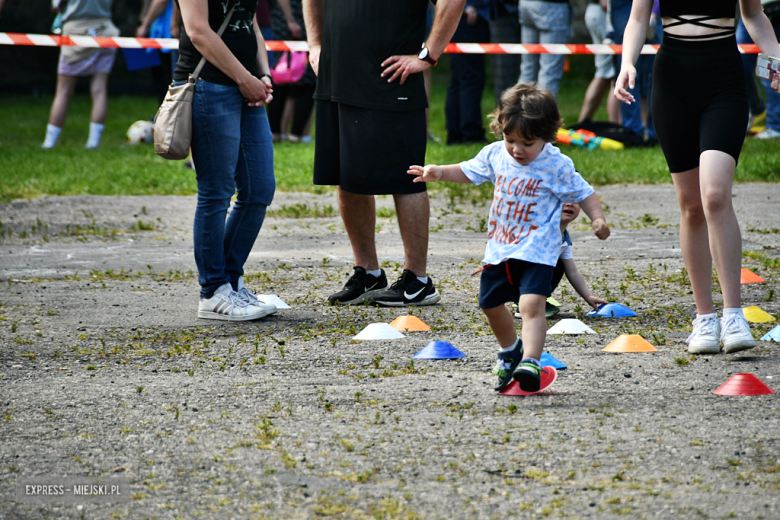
(577, 281)
(592, 208)
(433, 172)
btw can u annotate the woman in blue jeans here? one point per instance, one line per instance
(231, 149)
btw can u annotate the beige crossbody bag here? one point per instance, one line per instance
(173, 123)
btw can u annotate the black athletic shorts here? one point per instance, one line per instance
(510, 279)
(699, 100)
(368, 151)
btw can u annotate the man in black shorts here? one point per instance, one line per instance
(370, 126)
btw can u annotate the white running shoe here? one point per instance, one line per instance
(767, 133)
(736, 334)
(227, 305)
(705, 336)
(250, 297)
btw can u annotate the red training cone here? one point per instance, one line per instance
(743, 384)
(748, 276)
(549, 375)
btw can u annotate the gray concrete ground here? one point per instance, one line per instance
(105, 370)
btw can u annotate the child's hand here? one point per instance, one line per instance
(600, 228)
(595, 302)
(430, 173)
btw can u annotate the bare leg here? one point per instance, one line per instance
(66, 86)
(593, 96)
(715, 178)
(358, 212)
(613, 107)
(502, 323)
(98, 91)
(531, 307)
(413, 214)
(694, 240)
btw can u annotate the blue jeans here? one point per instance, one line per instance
(632, 114)
(544, 22)
(232, 151)
(754, 95)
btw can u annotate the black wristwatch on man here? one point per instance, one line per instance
(425, 55)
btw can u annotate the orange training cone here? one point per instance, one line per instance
(630, 343)
(748, 276)
(409, 323)
(743, 384)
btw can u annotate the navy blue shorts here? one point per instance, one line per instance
(507, 281)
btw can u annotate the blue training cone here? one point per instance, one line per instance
(439, 350)
(613, 310)
(548, 361)
(772, 335)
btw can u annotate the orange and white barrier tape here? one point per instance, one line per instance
(49, 40)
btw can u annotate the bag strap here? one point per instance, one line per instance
(196, 72)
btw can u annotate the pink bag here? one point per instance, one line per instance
(290, 67)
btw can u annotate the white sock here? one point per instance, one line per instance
(510, 347)
(376, 273)
(728, 311)
(52, 133)
(423, 279)
(95, 131)
(710, 315)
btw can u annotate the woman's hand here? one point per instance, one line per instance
(430, 173)
(295, 29)
(257, 92)
(626, 79)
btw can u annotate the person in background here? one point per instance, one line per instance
(294, 102)
(156, 22)
(761, 115)
(638, 117)
(600, 85)
(83, 18)
(504, 28)
(701, 131)
(544, 21)
(463, 106)
(231, 148)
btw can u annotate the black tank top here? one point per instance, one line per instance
(702, 12)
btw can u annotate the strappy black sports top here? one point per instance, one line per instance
(702, 11)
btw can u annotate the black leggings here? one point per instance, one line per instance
(699, 100)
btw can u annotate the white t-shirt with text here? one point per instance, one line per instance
(525, 215)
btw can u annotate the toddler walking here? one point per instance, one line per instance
(533, 180)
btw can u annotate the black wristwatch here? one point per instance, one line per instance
(270, 78)
(425, 55)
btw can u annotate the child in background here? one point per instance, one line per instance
(566, 263)
(533, 180)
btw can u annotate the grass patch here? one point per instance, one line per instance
(117, 168)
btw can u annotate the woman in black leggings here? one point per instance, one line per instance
(700, 110)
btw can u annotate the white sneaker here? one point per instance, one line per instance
(736, 334)
(705, 336)
(767, 133)
(250, 297)
(227, 305)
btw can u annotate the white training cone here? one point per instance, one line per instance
(273, 300)
(379, 331)
(570, 326)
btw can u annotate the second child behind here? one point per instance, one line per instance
(533, 180)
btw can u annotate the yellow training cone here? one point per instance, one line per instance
(409, 323)
(553, 301)
(630, 343)
(756, 315)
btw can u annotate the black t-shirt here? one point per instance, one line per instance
(239, 36)
(357, 36)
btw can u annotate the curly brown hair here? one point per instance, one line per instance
(529, 111)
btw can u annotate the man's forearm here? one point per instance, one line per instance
(312, 18)
(448, 14)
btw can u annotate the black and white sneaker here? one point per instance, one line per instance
(360, 286)
(406, 291)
